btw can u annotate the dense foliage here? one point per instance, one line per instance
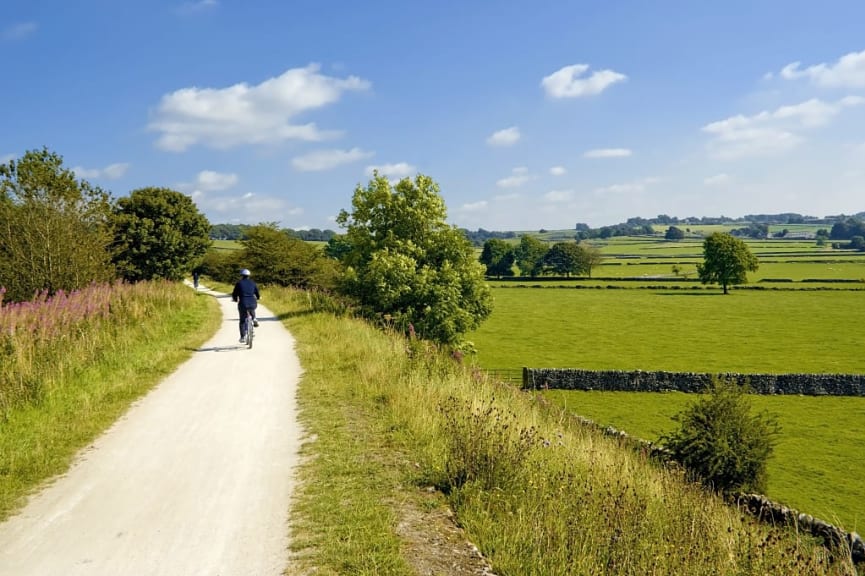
(405, 264)
(54, 232)
(722, 443)
(498, 256)
(158, 233)
(276, 258)
(726, 261)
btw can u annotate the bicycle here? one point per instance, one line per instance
(249, 326)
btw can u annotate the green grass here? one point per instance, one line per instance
(746, 331)
(537, 491)
(817, 466)
(225, 245)
(39, 439)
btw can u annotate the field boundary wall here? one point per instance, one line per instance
(691, 382)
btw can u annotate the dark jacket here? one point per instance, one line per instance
(246, 293)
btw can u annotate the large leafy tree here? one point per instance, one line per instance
(54, 232)
(158, 233)
(275, 257)
(726, 261)
(571, 258)
(498, 256)
(405, 263)
(530, 255)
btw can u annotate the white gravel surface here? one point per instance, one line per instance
(195, 480)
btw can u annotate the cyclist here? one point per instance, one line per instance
(246, 295)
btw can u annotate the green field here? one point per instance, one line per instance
(746, 331)
(818, 465)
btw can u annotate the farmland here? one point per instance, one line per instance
(799, 313)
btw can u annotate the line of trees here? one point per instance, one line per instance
(534, 257)
(59, 232)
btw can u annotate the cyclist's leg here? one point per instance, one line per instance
(241, 313)
(254, 319)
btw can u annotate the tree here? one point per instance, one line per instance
(530, 255)
(54, 232)
(726, 261)
(571, 258)
(158, 233)
(721, 443)
(406, 265)
(498, 257)
(674, 233)
(276, 257)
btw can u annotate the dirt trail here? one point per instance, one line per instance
(195, 480)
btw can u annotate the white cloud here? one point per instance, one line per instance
(247, 207)
(398, 170)
(771, 133)
(518, 177)
(110, 172)
(243, 114)
(7, 158)
(568, 82)
(558, 171)
(717, 180)
(208, 180)
(505, 137)
(847, 72)
(321, 160)
(608, 153)
(18, 31)
(626, 188)
(559, 195)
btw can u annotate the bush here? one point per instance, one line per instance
(721, 443)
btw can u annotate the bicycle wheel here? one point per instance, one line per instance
(250, 331)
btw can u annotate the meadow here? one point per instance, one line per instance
(819, 445)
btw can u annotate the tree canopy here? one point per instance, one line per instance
(158, 233)
(276, 257)
(571, 258)
(54, 232)
(405, 264)
(726, 261)
(498, 257)
(530, 255)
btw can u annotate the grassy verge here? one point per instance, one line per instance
(816, 467)
(537, 491)
(149, 330)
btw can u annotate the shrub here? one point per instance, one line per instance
(721, 443)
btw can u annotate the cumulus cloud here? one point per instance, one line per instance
(506, 137)
(321, 160)
(242, 114)
(717, 180)
(626, 188)
(518, 177)
(607, 153)
(398, 170)
(209, 180)
(246, 207)
(847, 72)
(110, 172)
(18, 31)
(558, 171)
(771, 133)
(569, 82)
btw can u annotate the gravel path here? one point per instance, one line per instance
(194, 480)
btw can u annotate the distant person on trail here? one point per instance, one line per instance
(246, 295)
(195, 276)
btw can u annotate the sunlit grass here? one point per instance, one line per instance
(817, 465)
(535, 489)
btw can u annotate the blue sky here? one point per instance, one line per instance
(528, 114)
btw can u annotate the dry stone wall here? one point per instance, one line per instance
(659, 381)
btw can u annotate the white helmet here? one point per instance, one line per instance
(244, 272)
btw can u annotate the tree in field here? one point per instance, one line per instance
(407, 265)
(275, 257)
(54, 228)
(722, 443)
(158, 233)
(726, 261)
(498, 257)
(674, 233)
(530, 255)
(570, 258)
